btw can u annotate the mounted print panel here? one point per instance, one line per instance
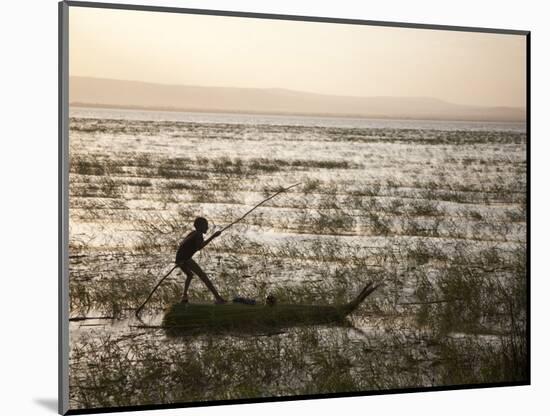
(262, 208)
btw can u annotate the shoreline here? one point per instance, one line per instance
(289, 114)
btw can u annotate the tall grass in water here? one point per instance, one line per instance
(484, 295)
(439, 216)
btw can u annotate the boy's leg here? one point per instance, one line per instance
(195, 268)
(188, 277)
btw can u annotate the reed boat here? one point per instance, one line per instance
(192, 317)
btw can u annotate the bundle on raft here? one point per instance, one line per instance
(190, 317)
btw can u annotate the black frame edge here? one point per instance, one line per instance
(342, 395)
(138, 7)
(528, 197)
(63, 209)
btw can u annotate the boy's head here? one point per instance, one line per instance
(201, 224)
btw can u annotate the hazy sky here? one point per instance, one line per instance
(338, 59)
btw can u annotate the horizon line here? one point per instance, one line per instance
(282, 113)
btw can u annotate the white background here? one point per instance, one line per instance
(28, 171)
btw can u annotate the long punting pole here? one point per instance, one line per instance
(138, 310)
(256, 206)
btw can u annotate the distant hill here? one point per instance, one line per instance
(102, 92)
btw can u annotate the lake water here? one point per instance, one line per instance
(433, 210)
(255, 119)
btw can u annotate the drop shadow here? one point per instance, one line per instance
(50, 404)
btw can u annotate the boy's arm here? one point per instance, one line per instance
(216, 234)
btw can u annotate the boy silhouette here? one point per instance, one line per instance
(192, 243)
